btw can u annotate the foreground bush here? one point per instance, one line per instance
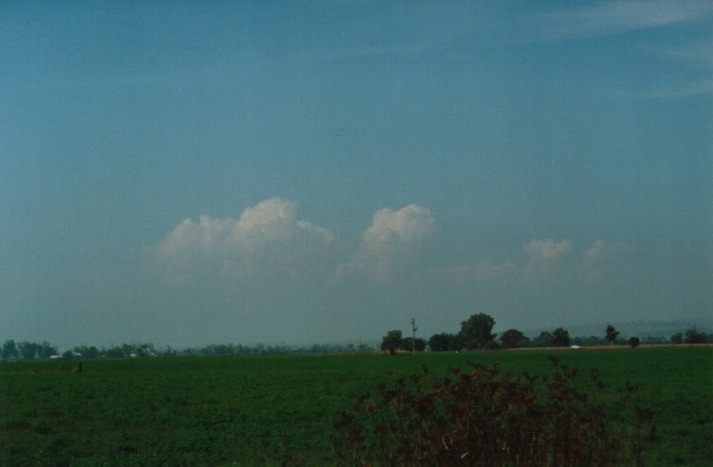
(483, 417)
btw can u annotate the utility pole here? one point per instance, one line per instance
(413, 339)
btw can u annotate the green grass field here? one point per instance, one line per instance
(266, 409)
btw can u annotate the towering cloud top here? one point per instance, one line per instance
(389, 242)
(266, 238)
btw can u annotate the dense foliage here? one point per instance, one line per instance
(513, 338)
(692, 336)
(483, 417)
(391, 341)
(26, 350)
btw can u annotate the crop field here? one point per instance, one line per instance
(268, 410)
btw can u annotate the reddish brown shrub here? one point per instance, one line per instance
(484, 417)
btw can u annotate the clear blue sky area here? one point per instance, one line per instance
(315, 171)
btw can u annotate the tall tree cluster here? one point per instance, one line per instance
(26, 350)
(476, 333)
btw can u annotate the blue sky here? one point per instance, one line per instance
(289, 172)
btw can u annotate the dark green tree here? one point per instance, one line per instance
(677, 338)
(114, 352)
(391, 341)
(442, 342)
(513, 338)
(560, 337)
(28, 350)
(87, 351)
(694, 337)
(147, 350)
(9, 350)
(585, 341)
(633, 342)
(408, 344)
(128, 350)
(611, 334)
(476, 332)
(543, 340)
(46, 350)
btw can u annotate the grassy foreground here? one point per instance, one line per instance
(267, 409)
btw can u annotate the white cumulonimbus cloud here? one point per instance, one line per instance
(545, 260)
(265, 239)
(543, 256)
(389, 243)
(594, 253)
(591, 270)
(603, 259)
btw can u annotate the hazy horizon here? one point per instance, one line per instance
(304, 172)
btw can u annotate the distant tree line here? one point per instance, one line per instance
(26, 350)
(31, 351)
(692, 336)
(394, 341)
(12, 350)
(476, 334)
(262, 349)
